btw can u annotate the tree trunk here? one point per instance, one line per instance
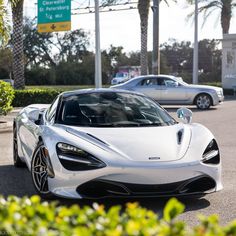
(143, 7)
(18, 55)
(226, 14)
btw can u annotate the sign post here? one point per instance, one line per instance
(54, 15)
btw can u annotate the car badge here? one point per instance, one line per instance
(154, 158)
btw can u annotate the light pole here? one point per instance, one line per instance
(195, 52)
(155, 48)
(98, 69)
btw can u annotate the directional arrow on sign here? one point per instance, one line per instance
(53, 27)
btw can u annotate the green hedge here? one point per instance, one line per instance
(6, 97)
(32, 96)
(30, 216)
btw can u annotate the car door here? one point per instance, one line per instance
(171, 91)
(28, 134)
(30, 131)
(149, 86)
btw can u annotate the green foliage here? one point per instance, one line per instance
(48, 49)
(173, 209)
(6, 97)
(38, 75)
(32, 96)
(5, 63)
(30, 216)
(4, 24)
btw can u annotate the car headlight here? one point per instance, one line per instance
(76, 159)
(211, 154)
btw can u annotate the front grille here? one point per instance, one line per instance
(105, 188)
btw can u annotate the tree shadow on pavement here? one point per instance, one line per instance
(155, 204)
(17, 181)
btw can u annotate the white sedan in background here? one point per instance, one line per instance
(171, 90)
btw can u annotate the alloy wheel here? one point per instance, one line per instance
(39, 170)
(203, 101)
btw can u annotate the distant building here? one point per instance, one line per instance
(125, 73)
(229, 61)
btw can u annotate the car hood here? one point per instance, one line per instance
(166, 143)
(205, 87)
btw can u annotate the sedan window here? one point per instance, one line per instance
(148, 82)
(168, 82)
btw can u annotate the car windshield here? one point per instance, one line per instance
(121, 74)
(112, 109)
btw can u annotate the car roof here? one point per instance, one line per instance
(146, 77)
(99, 90)
(151, 76)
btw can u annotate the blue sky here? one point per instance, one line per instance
(122, 28)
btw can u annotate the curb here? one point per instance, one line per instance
(6, 127)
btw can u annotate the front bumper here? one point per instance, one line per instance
(221, 98)
(217, 98)
(166, 179)
(104, 188)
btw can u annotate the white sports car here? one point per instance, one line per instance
(114, 143)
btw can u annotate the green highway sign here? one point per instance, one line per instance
(54, 15)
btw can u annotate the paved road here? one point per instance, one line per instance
(221, 121)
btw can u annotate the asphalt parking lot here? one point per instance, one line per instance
(220, 120)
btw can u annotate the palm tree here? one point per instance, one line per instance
(17, 39)
(143, 8)
(4, 24)
(225, 7)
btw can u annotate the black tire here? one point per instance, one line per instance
(203, 101)
(39, 172)
(17, 162)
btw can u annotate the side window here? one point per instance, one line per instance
(169, 82)
(52, 110)
(148, 82)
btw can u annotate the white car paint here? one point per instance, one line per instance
(136, 155)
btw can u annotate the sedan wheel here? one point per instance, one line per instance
(16, 159)
(39, 171)
(203, 101)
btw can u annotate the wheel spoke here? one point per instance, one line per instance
(203, 102)
(43, 161)
(43, 181)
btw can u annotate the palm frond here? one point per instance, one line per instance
(105, 3)
(208, 6)
(167, 2)
(207, 13)
(205, 9)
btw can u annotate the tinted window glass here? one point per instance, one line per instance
(113, 109)
(148, 82)
(167, 82)
(52, 110)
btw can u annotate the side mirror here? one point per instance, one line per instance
(34, 115)
(185, 114)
